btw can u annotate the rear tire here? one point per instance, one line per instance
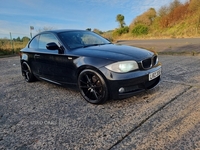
(92, 86)
(27, 72)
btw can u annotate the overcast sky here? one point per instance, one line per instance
(16, 16)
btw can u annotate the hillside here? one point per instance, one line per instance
(175, 20)
(181, 21)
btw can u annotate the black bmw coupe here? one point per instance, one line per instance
(99, 69)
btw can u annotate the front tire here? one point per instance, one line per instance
(92, 86)
(27, 73)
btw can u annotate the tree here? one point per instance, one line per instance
(89, 29)
(163, 11)
(174, 5)
(25, 39)
(120, 19)
(97, 31)
(17, 39)
(146, 18)
(151, 14)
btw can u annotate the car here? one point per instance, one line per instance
(98, 68)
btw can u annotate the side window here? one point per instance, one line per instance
(34, 43)
(46, 38)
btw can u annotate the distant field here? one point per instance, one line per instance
(8, 47)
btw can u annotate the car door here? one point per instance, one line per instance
(33, 51)
(44, 58)
(54, 67)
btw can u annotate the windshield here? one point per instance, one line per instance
(78, 39)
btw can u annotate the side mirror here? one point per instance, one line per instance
(52, 46)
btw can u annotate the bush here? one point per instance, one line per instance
(121, 31)
(108, 35)
(5, 52)
(140, 30)
(8, 47)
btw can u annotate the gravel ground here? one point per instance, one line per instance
(41, 115)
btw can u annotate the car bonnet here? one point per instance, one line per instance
(114, 52)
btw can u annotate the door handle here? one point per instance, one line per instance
(36, 56)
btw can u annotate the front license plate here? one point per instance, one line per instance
(154, 75)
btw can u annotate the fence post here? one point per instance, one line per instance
(11, 42)
(31, 28)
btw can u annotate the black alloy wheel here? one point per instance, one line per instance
(92, 86)
(27, 73)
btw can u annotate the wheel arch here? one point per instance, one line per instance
(81, 68)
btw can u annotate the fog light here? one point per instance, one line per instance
(121, 90)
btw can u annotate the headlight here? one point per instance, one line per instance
(123, 66)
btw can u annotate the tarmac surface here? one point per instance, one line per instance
(167, 46)
(41, 115)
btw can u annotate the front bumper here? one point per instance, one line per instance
(132, 82)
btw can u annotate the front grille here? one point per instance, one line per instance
(149, 62)
(155, 60)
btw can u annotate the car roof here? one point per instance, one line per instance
(62, 30)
